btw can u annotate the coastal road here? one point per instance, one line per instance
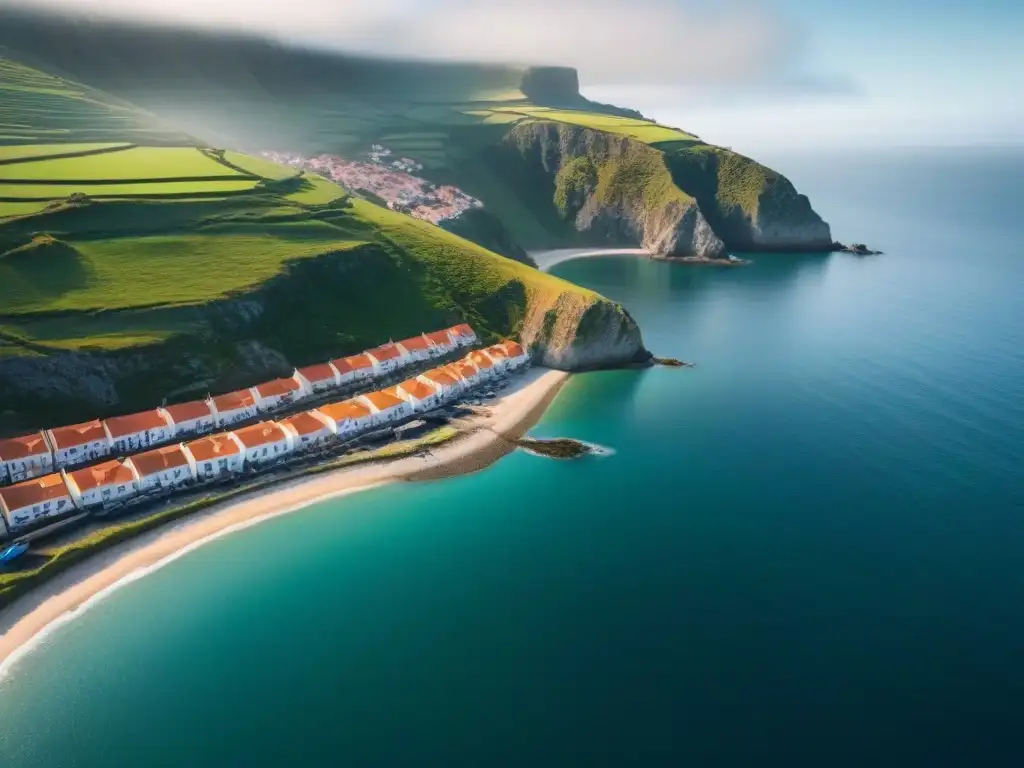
(547, 259)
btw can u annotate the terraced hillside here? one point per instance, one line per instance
(131, 273)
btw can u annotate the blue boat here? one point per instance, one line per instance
(15, 550)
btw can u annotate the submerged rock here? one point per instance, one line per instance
(858, 249)
(560, 448)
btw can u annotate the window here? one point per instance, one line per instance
(120, 488)
(106, 493)
(73, 451)
(264, 453)
(60, 504)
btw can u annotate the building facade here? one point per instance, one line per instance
(25, 457)
(216, 456)
(162, 468)
(138, 431)
(189, 419)
(234, 407)
(78, 444)
(264, 443)
(101, 485)
(35, 500)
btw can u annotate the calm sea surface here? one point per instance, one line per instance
(807, 551)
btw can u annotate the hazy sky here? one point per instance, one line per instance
(745, 73)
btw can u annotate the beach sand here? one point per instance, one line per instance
(487, 437)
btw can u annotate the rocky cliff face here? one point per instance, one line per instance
(609, 189)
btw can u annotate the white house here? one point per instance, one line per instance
(516, 354)
(388, 358)
(463, 335)
(418, 348)
(162, 468)
(385, 407)
(319, 378)
(278, 393)
(34, 500)
(78, 444)
(422, 395)
(234, 407)
(484, 365)
(25, 457)
(446, 381)
(264, 443)
(216, 455)
(499, 357)
(308, 430)
(190, 419)
(138, 430)
(102, 484)
(348, 419)
(469, 373)
(441, 343)
(354, 369)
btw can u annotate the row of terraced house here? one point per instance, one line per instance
(231, 452)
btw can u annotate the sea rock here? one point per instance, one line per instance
(858, 249)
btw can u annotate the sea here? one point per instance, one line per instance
(806, 551)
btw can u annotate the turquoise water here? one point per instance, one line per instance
(806, 551)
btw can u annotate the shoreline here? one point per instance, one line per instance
(486, 439)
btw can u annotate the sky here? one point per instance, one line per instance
(749, 74)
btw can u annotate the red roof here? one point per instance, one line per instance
(234, 401)
(355, 363)
(385, 352)
(151, 462)
(77, 434)
(198, 409)
(466, 369)
(107, 473)
(264, 433)
(305, 423)
(462, 330)
(321, 372)
(440, 338)
(497, 352)
(346, 410)
(480, 360)
(34, 491)
(23, 447)
(385, 400)
(213, 447)
(442, 377)
(513, 348)
(416, 343)
(278, 387)
(119, 426)
(416, 388)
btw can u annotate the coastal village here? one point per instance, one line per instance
(66, 471)
(388, 178)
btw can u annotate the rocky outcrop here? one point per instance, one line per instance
(482, 227)
(608, 189)
(577, 332)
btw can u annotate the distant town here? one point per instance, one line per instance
(388, 178)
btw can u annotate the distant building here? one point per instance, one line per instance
(23, 458)
(418, 348)
(447, 383)
(34, 500)
(78, 443)
(355, 368)
(138, 430)
(264, 443)
(167, 467)
(385, 408)
(319, 378)
(516, 354)
(463, 335)
(469, 372)
(422, 394)
(102, 484)
(308, 430)
(278, 393)
(484, 365)
(195, 418)
(216, 455)
(388, 358)
(499, 357)
(234, 407)
(441, 343)
(348, 419)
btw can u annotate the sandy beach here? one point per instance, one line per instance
(485, 439)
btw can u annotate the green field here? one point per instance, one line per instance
(12, 152)
(646, 131)
(22, 192)
(125, 165)
(258, 166)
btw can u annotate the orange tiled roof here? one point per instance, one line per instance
(213, 447)
(35, 491)
(151, 462)
(264, 433)
(277, 387)
(198, 409)
(76, 434)
(416, 388)
(480, 360)
(305, 423)
(107, 473)
(462, 330)
(357, 362)
(23, 447)
(346, 410)
(384, 352)
(321, 372)
(513, 348)
(415, 344)
(384, 400)
(440, 338)
(497, 351)
(466, 369)
(119, 426)
(234, 401)
(442, 377)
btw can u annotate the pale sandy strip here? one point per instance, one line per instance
(28, 621)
